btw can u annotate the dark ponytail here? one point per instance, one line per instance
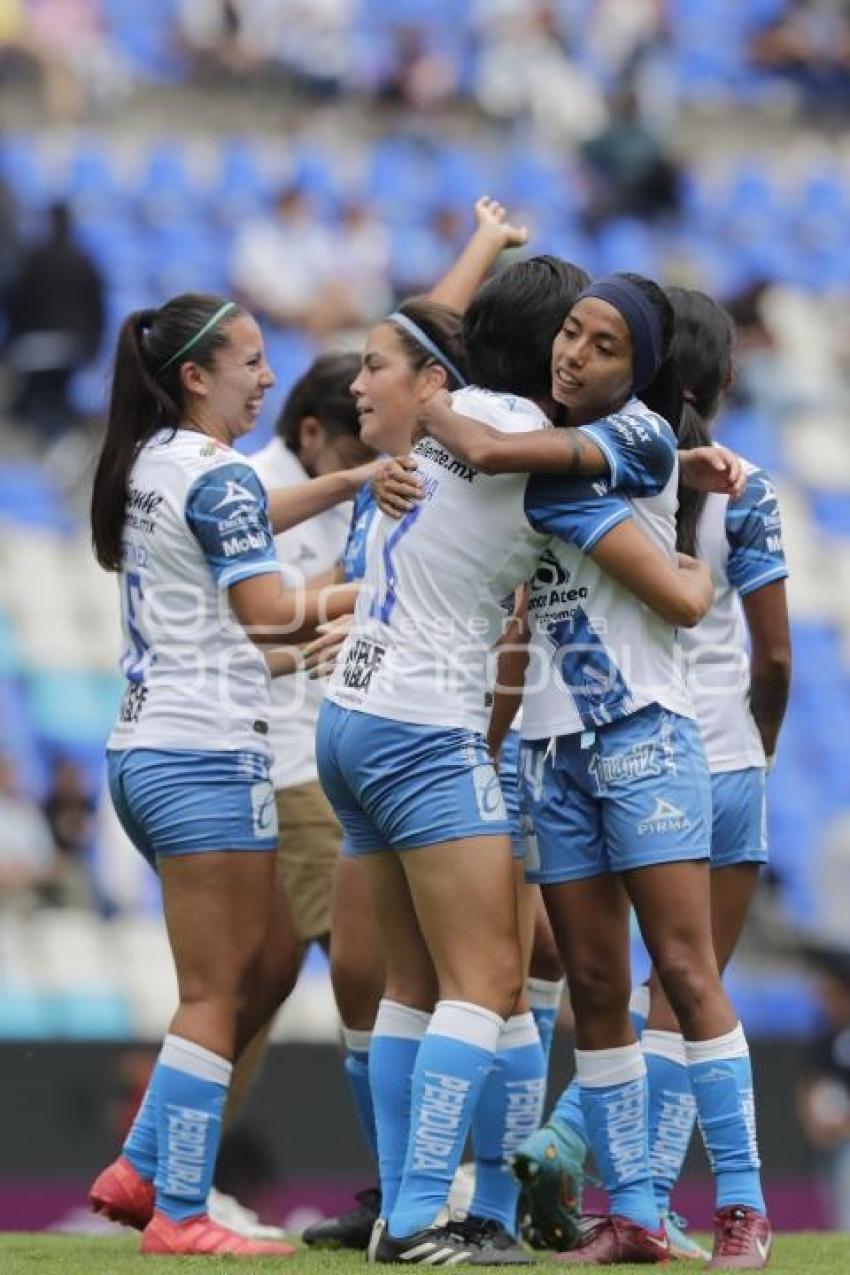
(703, 341)
(147, 395)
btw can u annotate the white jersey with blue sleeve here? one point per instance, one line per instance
(597, 654)
(196, 523)
(430, 612)
(742, 543)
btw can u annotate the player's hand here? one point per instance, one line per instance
(714, 469)
(430, 412)
(491, 218)
(320, 655)
(396, 486)
(359, 475)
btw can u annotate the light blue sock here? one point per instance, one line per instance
(357, 1045)
(639, 1008)
(452, 1065)
(396, 1037)
(191, 1090)
(544, 997)
(509, 1110)
(614, 1096)
(722, 1083)
(672, 1110)
(140, 1144)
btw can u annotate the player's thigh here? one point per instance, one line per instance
(309, 837)
(356, 955)
(464, 893)
(409, 968)
(732, 891)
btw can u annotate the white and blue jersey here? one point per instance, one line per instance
(400, 740)
(195, 525)
(597, 654)
(742, 543)
(613, 771)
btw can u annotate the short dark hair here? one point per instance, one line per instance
(324, 392)
(443, 326)
(511, 325)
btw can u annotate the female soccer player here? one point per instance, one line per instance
(617, 786)
(402, 757)
(183, 520)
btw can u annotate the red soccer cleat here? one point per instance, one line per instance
(614, 1240)
(198, 1236)
(742, 1240)
(123, 1195)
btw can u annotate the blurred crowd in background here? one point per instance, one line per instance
(701, 142)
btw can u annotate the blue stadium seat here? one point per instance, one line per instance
(831, 511)
(627, 244)
(240, 189)
(22, 168)
(147, 34)
(73, 708)
(83, 1014)
(10, 656)
(24, 1013)
(28, 495)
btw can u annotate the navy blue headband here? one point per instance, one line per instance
(641, 319)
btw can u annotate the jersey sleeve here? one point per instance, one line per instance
(640, 451)
(354, 554)
(754, 533)
(581, 512)
(226, 511)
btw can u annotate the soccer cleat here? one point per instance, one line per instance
(683, 1248)
(438, 1245)
(199, 1237)
(349, 1230)
(491, 1237)
(550, 1166)
(742, 1240)
(227, 1211)
(123, 1195)
(614, 1240)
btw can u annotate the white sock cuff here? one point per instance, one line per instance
(669, 1045)
(543, 994)
(519, 1031)
(473, 1024)
(356, 1042)
(639, 1001)
(394, 1019)
(598, 1068)
(194, 1060)
(732, 1045)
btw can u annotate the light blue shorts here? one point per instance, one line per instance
(739, 817)
(623, 796)
(396, 786)
(509, 779)
(182, 802)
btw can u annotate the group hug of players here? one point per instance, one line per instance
(548, 665)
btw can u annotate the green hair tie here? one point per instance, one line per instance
(199, 336)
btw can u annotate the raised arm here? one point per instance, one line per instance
(288, 506)
(492, 235)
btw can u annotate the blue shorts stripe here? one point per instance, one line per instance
(739, 817)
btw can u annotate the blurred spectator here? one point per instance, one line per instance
(70, 811)
(27, 854)
(631, 175)
(824, 1096)
(419, 75)
(9, 245)
(525, 71)
(291, 269)
(426, 250)
(808, 45)
(55, 317)
(213, 33)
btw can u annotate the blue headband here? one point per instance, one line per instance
(642, 321)
(423, 339)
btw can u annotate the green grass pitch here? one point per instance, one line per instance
(76, 1255)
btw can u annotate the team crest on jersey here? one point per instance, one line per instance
(235, 494)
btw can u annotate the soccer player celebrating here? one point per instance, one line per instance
(184, 522)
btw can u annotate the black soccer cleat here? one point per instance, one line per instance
(491, 1237)
(350, 1230)
(434, 1246)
